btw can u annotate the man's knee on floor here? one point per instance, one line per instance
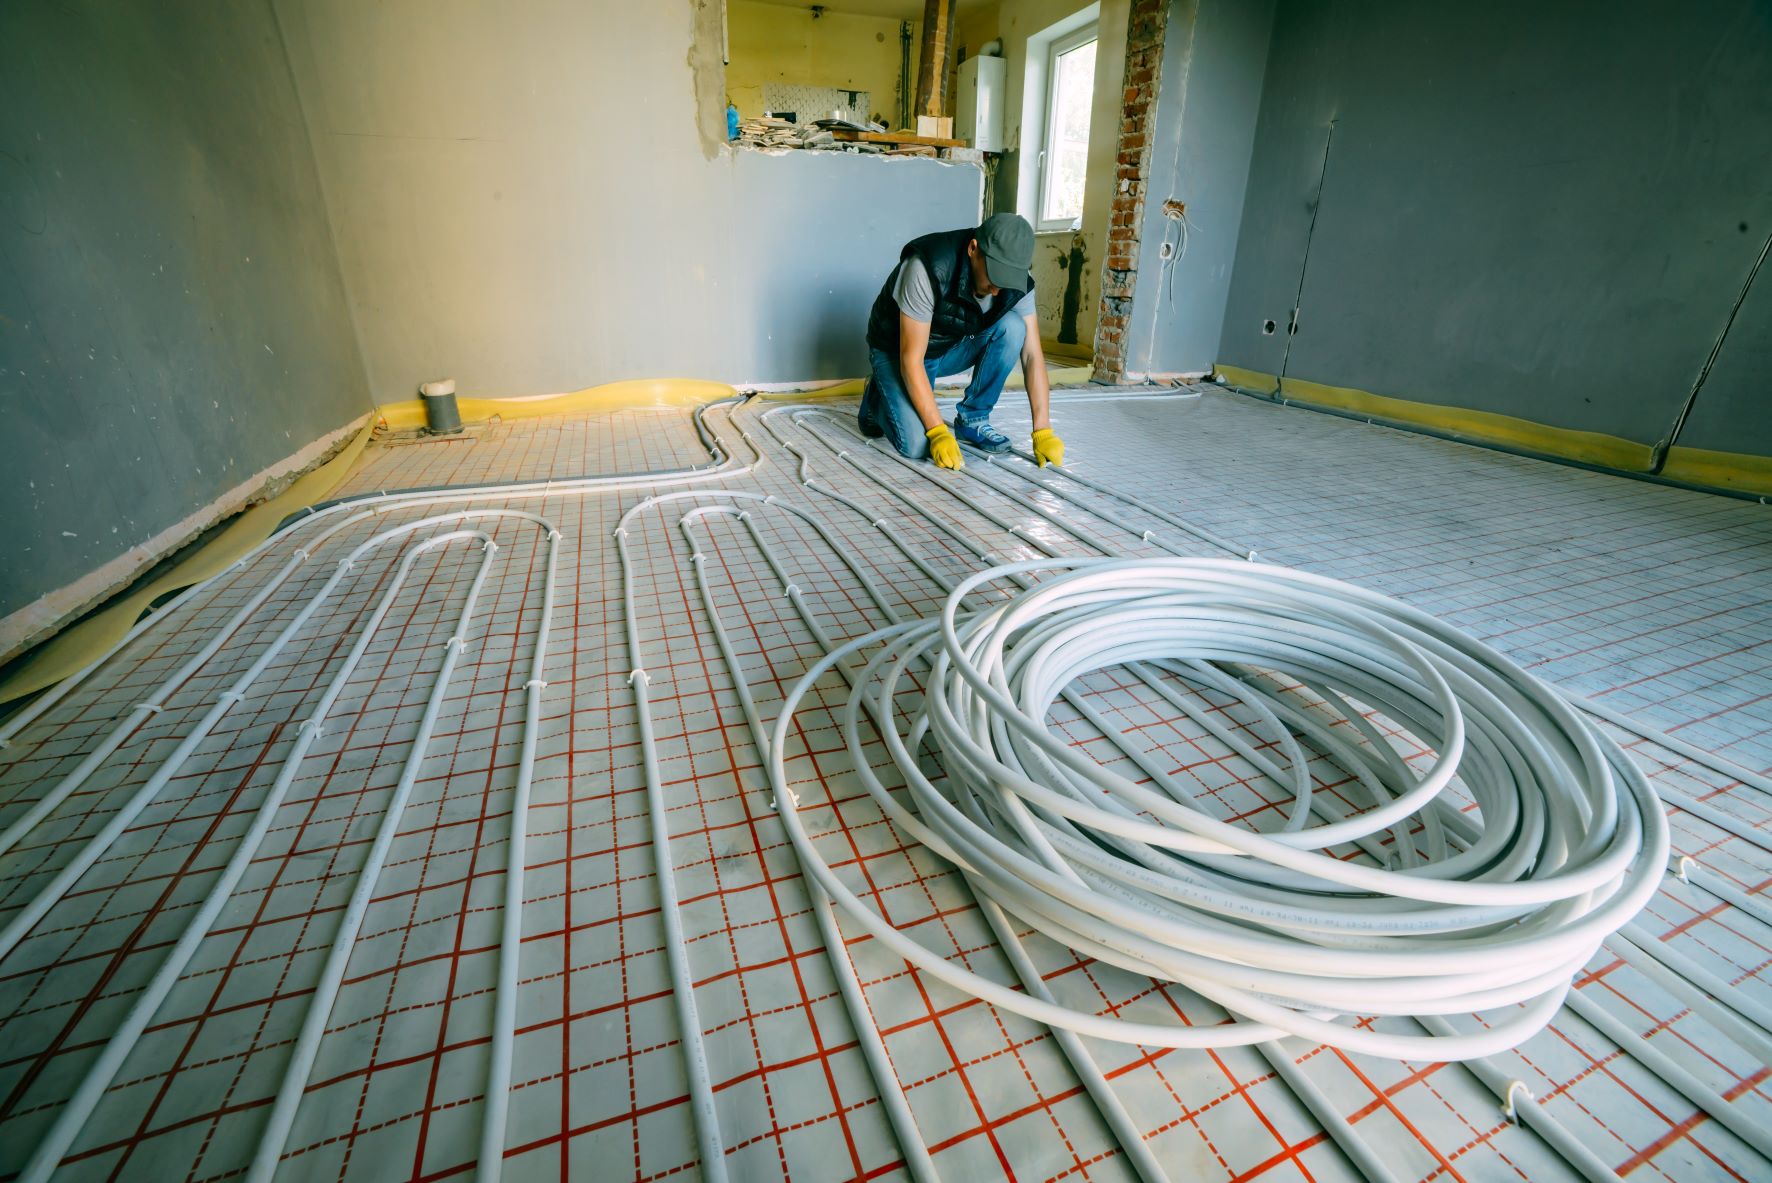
(911, 447)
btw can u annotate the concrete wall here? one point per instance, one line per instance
(530, 205)
(1202, 138)
(172, 318)
(775, 42)
(1540, 210)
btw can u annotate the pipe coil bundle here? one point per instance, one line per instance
(1477, 879)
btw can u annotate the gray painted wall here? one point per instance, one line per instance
(1202, 138)
(526, 204)
(1533, 209)
(172, 318)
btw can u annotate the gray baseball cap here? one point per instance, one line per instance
(1007, 243)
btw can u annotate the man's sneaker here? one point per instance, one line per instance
(981, 435)
(862, 419)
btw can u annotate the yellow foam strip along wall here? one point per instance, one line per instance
(611, 396)
(79, 645)
(1719, 470)
(1732, 471)
(1589, 447)
(76, 647)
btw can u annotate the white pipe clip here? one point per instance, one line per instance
(620, 532)
(645, 678)
(1507, 1101)
(791, 590)
(1683, 866)
(535, 684)
(1147, 536)
(151, 707)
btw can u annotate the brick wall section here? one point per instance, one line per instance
(1144, 66)
(936, 60)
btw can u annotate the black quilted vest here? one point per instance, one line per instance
(957, 314)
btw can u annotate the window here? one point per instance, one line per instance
(1070, 90)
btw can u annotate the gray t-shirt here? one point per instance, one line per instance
(916, 295)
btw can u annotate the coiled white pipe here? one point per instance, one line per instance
(1571, 845)
(1357, 1150)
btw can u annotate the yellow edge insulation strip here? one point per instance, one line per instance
(611, 396)
(1589, 447)
(1720, 470)
(78, 646)
(1734, 471)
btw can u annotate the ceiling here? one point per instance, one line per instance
(904, 10)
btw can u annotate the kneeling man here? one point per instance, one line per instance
(958, 300)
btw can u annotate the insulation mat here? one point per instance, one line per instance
(1654, 601)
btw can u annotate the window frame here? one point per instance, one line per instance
(1074, 40)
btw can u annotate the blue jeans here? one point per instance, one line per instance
(991, 356)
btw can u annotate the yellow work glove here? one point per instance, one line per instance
(944, 449)
(1048, 448)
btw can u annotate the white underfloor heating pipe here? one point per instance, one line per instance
(1089, 1074)
(18, 722)
(336, 517)
(711, 1148)
(71, 1119)
(332, 975)
(1358, 1151)
(898, 1113)
(1716, 1006)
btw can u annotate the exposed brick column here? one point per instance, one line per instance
(937, 55)
(1144, 68)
